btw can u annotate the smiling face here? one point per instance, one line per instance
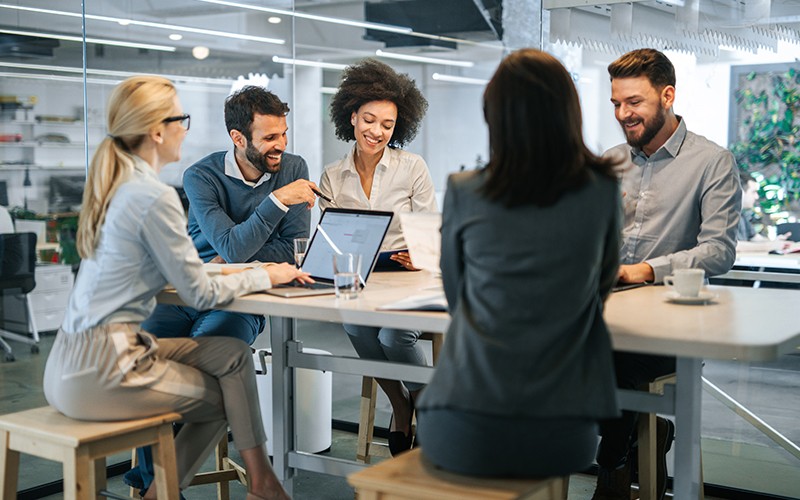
(642, 111)
(267, 144)
(373, 126)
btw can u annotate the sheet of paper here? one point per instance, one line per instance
(422, 232)
(425, 302)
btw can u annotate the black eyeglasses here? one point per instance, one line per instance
(185, 120)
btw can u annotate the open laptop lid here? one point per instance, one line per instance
(344, 230)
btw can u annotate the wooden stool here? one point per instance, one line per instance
(226, 470)
(82, 447)
(369, 394)
(647, 443)
(410, 476)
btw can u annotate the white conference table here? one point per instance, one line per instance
(744, 324)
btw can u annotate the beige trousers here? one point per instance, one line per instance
(119, 372)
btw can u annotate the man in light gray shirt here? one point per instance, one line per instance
(682, 201)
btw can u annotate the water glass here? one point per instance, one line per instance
(300, 247)
(346, 275)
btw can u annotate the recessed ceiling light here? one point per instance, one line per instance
(458, 79)
(303, 62)
(124, 22)
(176, 37)
(274, 20)
(200, 52)
(424, 59)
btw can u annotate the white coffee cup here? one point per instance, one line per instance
(686, 282)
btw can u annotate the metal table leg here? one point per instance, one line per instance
(687, 428)
(283, 419)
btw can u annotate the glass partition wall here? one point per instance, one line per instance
(52, 115)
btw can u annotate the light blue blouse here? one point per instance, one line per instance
(143, 246)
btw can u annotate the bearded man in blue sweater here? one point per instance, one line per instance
(245, 204)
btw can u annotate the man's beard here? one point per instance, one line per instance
(259, 161)
(651, 128)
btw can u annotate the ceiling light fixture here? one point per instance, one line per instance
(101, 41)
(274, 20)
(302, 62)
(424, 59)
(314, 17)
(175, 37)
(223, 82)
(458, 79)
(148, 24)
(200, 52)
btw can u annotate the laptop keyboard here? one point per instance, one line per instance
(310, 286)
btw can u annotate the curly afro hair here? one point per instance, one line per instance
(371, 80)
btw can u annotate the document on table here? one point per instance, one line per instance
(423, 302)
(422, 232)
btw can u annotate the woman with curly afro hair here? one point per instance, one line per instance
(378, 107)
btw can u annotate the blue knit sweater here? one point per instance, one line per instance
(241, 223)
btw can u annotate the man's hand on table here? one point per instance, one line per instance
(636, 273)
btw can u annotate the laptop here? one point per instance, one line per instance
(340, 230)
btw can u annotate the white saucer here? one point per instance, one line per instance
(702, 298)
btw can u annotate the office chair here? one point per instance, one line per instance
(17, 277)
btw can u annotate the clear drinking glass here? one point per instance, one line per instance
(346, 275)
(300, 247)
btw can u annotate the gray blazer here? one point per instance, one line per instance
(525, 287)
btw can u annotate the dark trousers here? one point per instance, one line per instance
(618, 434)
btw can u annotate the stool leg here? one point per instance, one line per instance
(366, 420)
(221, 459)
(133, 492)
(647, 452)
(9, 468)
(164, 464)
(98, 477)
(78, 475)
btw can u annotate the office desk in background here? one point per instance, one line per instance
(744, 324)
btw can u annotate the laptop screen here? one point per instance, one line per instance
(348, 231)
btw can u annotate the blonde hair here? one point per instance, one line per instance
(137, 105)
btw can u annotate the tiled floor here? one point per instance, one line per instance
(768, 388)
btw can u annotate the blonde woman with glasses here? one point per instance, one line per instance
(132, 238)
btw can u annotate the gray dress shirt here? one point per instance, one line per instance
(143, 246)
(681, 205)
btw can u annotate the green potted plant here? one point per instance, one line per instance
(769, 137)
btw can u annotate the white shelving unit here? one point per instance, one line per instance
(45, 144)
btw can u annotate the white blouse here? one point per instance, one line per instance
(401, 183)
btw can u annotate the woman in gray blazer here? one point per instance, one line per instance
(529, 253)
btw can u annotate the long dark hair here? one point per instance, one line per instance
(536, 144)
